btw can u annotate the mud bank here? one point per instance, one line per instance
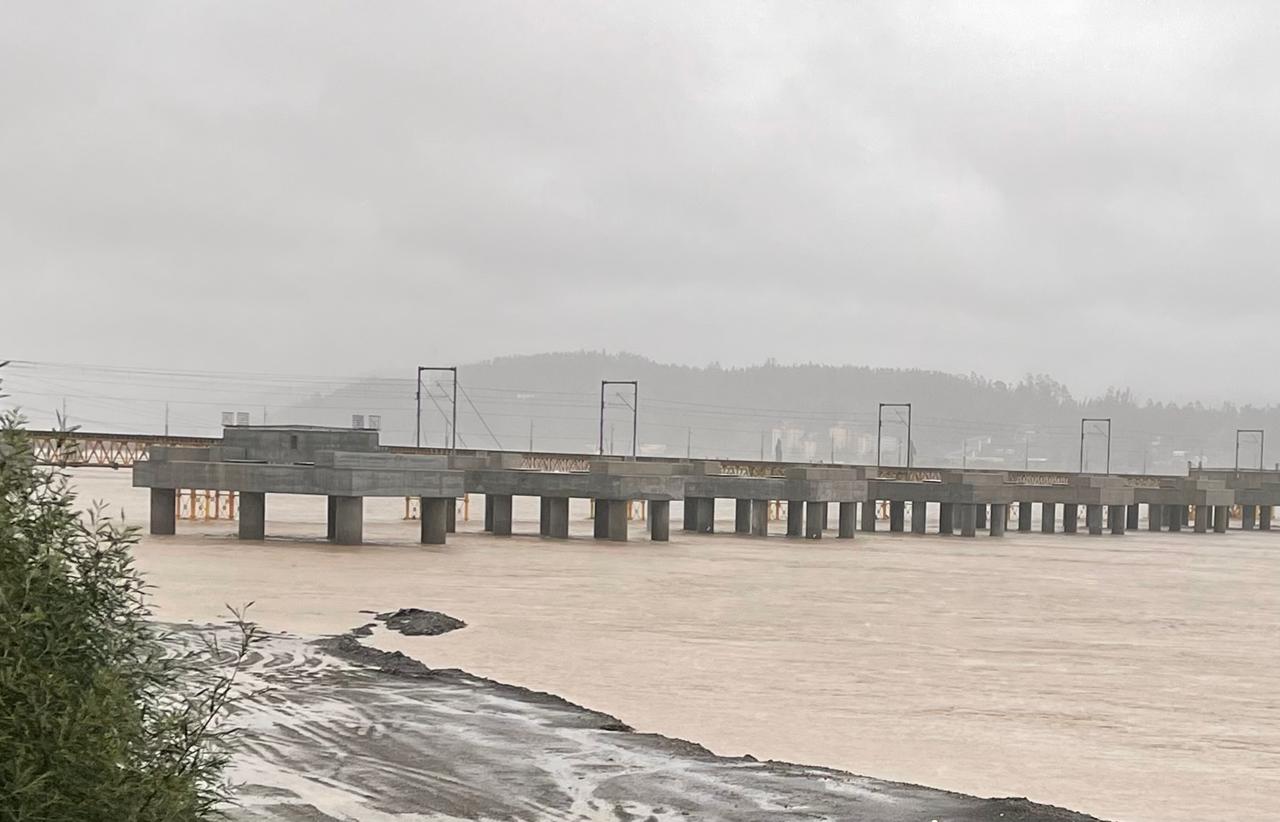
(349, 732)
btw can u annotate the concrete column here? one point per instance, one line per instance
(1117, 518)
(1221, 518)
(555, 517)
(897, 516)
(331, 520)
(1131, 517)
(982, 516)
(795, 517)
(1048, 517)
(1248, 517)
(348, 520)
(826, 516)
(869, 516)
(690, 514)
(451, 517)
(999, 513)
(1093, 518)
(706, 512)
(968, 520)
(600, 518)
(253, 515)
(1264, 517)
(544, 515)
(919, 516)
(434, 515)
(848, 520)
(1173, 515)
(742, 516)
(659, 519)
(815, 518)
(1204, 514)
(499, 510)
(1155, 515)
(759, 517)
(488, 512)
(946, 518)
(1070, 518)
(616, 529)
(1024, 516)
(164, 511)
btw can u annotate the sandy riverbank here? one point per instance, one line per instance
(344, 731)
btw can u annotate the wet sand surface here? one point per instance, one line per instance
(1130, 678)
(339, 731)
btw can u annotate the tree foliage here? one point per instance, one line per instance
(102, 716)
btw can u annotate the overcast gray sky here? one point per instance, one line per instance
(1083, 189)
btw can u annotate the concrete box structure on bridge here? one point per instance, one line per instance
(259, 460)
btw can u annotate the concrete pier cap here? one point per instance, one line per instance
(340, 463)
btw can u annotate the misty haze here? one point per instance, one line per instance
(639, 411)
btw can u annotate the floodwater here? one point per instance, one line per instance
(1134, 678)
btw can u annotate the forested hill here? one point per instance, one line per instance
(815, 412)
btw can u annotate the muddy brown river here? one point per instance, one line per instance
(1134, 678)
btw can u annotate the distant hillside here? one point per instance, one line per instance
(813, 412)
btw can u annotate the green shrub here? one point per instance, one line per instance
(102, 717)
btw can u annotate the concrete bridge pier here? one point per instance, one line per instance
(1155, 515)
(1070, 518)
(1248, 517)
(742, 516)
(1117, 518)
(946, 518)
(1204, 515)
(164, 511)
(897, 516)
(498, 510)
(968, 520)
(1024, 516)
(433, 513)
(690, 514)
(795, 518)
(1048, 517)
(1131, 517)
(1221, 518)
(919, 516)
(544, 515)
(999, 517)
(618, 508)
(331, 518)
(348, 520)
(555, 517)
(659, 519)
(1264, 517)
(451, 517)
(869, 516)
(848, 524)
(705, 510)
(815, 517)
(611, 520)
(253, 515)
(760, 518)
(1093, 518)
(1173, 515)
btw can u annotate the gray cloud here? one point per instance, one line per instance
(1088, 190)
